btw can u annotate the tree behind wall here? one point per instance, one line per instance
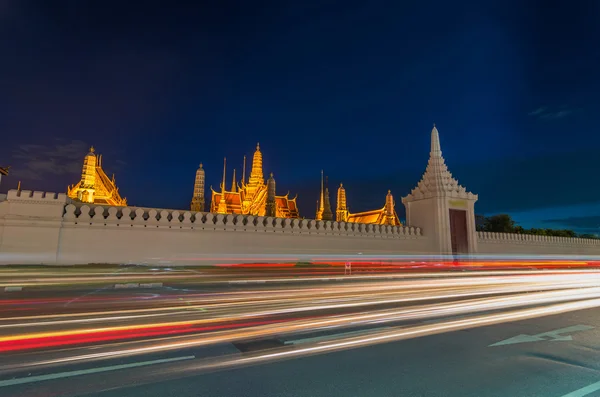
(503, 223)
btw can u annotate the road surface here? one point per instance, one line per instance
(503, 333)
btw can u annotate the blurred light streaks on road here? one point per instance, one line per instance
(46, 328)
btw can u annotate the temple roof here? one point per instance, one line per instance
(285, 206)
(373, 216)
(107, 191)
(437, 181)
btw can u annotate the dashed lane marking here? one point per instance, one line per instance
(60, 375)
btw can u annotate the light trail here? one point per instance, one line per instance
(167, 323)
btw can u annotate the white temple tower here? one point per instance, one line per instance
(441, 207)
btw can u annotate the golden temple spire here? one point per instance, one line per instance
(389, 208)
(322, 197)
(233, 189)
(244, 171)
(222, 209)
(197, 203)
(341, 212)
(88, 176)
(224, 169)
(256, 175)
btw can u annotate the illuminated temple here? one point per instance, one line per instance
(384, 216)
(254, 197)
(95, 187)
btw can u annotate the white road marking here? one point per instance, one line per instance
(317, 339)
(584, 391)
(60, 375)
(552, 336)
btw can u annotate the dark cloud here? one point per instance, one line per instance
(35, 162)
(545, 113)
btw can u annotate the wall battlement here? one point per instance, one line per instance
(491, 237)
(104, 216)
(29, 195)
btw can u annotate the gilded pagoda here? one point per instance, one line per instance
(384, 216)
(254, 197)
(95, 187)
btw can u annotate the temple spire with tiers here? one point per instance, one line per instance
(341, 212)
(250, 196)
(271, 206)
(198, 200)
(441, 206)
(256, 174)
(437, 180)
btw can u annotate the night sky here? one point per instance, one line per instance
(351, 87)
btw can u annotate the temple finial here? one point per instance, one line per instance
(271, 175)
(233, 184)
(244, 171)
(92, 150)
(224, 168)
(257, 146)
(322, 197)
(200, 165)
(436, 150)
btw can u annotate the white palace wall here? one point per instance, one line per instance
(48, 228)
(527, 244)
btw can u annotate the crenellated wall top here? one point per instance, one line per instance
(518, 238)
(33, 196)
(105, 216)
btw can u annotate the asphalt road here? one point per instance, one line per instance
(450, 335)
(457, 364)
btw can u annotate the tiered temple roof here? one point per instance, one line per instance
(95, 186)
(384, 216)
(437, 181)
(251, 197)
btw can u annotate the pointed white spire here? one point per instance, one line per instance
(436, 149)
(437, 180)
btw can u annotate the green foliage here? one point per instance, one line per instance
(503, 223)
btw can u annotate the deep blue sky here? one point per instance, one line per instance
(352, 87)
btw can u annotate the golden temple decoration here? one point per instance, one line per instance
(384, 216)
(197, 203)
(254, 197)
(324, 205)
(95, 187)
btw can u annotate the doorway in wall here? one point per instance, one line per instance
(458, 232)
